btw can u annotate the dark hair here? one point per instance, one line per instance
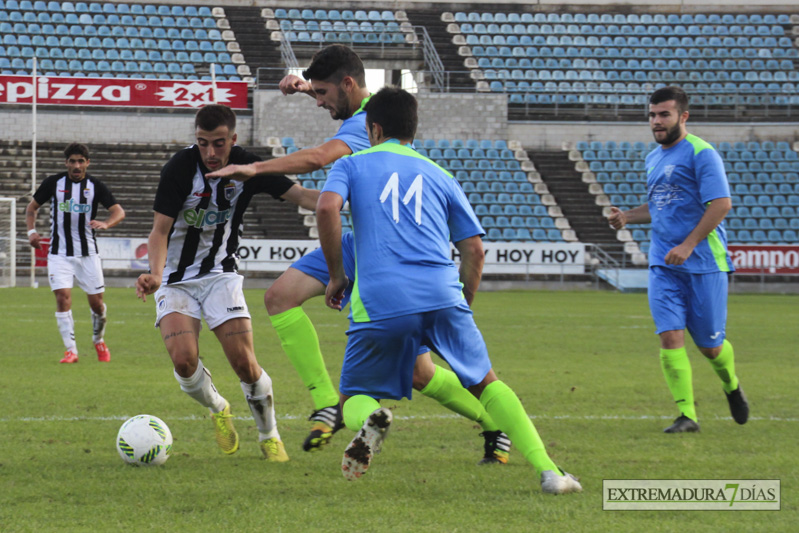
(395, 110)
(212, 116)
(672, 92)
(332, 63)
(76, 149)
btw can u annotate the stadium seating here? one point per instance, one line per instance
(617, 59)
(506, 201)
(323, 26)
(59, 29)
(763, 177)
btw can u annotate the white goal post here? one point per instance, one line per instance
(8, 242)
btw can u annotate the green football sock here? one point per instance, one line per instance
(298, 338)
(505, 408)
(677, 371)
(357, 409)
(446, 389)
(724, 365)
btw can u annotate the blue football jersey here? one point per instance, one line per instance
(405, 210)
(681, 180)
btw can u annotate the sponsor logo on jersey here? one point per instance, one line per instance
(668, 169)
(202, 194)
(87, 193)
(72, 207)
(234, 309)
(161, 303)
(203, 218)
(665, 194)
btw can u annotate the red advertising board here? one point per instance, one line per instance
(768, 259)
(121, 92)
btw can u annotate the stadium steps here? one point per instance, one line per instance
(572, 196)
(256, 45)
(132, 172)
(457, 74)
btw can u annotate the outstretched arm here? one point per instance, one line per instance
(299, 162)
(303, 197)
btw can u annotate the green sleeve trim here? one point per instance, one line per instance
(698, 144)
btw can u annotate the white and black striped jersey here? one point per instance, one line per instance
(208, 213)
(72, 206)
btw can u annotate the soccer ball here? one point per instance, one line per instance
(144, 440)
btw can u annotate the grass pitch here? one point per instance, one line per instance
(584, 364)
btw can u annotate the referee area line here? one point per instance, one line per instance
(413, 417)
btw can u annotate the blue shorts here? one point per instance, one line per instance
(314, 265)
(696, 302)
(380, 355)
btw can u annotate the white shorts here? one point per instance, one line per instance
(216, 298)
(88, 270)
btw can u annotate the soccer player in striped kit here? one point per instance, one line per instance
(192, 252)
(74, 198)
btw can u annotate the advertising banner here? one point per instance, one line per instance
(121, 92)
(262, 255)
(765, 259)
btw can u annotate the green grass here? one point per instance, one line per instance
(584, 364)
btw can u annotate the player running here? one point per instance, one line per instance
(336, 80)
(689, 265)
(408, 292)
(193, 267)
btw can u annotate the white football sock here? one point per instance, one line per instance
(261, 401)
(200, 386)
(98, 325)
(66, 327)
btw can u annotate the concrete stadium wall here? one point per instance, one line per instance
(105, 126)
(447, 116)
(453, 116)
(552, 135)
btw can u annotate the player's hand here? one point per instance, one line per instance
(34, 239)
(617, 219)
(147, 284)
(234, 172)
(98, 224)
(294, 84)
(334, 293)
(679, 254)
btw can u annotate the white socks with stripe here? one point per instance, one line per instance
(66, 327)
(261, 401)
(98, 325)
(200, 386)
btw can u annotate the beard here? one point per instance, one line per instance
(672, 134)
